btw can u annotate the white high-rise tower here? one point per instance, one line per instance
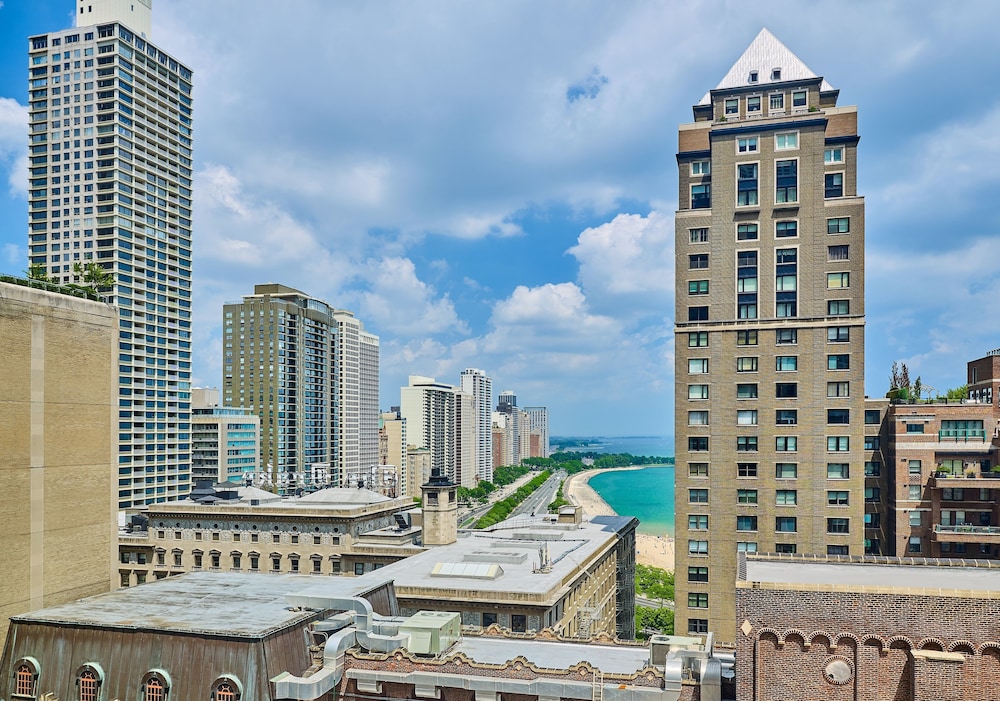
(110, 141)
(480, 386)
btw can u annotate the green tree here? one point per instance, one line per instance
(650, 621)
(94, 276)
(36, 271)
(958, 393)
(654, 582)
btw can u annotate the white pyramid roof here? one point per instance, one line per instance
(764, 54)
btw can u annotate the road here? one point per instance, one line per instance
(653, 603)
(539, 500)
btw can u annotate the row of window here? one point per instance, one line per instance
(237, 561)
(782, 363)
(782, 337)
(776, 101)
(782, 444)
(237, 536)
(700, 547)
(783, 228)
(790, 470)
(782, 417)
(782, 390)
(155, 684)
(786, 190)
(783, 524)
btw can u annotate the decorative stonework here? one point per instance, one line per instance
(838, 670)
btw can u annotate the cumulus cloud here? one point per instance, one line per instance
(399, 302)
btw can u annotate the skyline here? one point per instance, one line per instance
(515, 215)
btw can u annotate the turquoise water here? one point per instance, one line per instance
(647, 494)
(660, 446)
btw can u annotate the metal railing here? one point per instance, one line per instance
(977, 530)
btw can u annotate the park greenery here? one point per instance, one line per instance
(654, 583)
(502, 509)
(572, 462)
(502, 476)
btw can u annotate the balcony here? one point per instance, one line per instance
(965, 534)
(975, 480)
(963, 435)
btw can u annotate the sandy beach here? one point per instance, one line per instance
(655, 551)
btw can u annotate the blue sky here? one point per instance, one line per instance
(492, 184)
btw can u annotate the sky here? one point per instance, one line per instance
(492, 184)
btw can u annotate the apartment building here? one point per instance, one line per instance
(480, 386)
(225, 441)
(430, 410)
(769, 327)
(538, 424)
(310, 372)
(110, 141)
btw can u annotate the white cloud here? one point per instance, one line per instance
(400, 303)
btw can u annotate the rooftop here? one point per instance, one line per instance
(610, 659)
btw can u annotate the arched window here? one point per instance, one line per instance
(88, 685)
(225, 692)
(155, 686)
(24, 680)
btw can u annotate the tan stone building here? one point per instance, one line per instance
(58, 453)
(769, 328)
(330, 532)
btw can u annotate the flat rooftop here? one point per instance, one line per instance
(506, 559)
(610, 659)
(901, 574)
(206, 603)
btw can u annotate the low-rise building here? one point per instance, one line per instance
(230, 528)
(225, 441)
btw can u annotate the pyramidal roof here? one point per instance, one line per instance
(764, 55)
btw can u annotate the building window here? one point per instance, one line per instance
(834, 253)
(776, 102)
(698, 496)
(746, 444)
(697, 574)
(747, 145)
(915, 491)
(699, 235)
(88, 682)
(746, 523)
(732, 106)
(746, 184)
(785, 548)
(916, 519)
(785, 524)
(838, 334)
(746, 364)
(786, 181)
(837, 281)
(698, 339)
(786, 444)
(746, 547)
(697, 391)
(786, 363)
(871, 442)
(915, 544)
(697, 625)
(837, 550)
(747, 337)
(838, 389)
(698, 287)
(753, 103)
(915, 467)
(914, 428)
(26, 677)
(786, 390)
(697, 313)
(746, 417)
(786, 140)
(746, 232)
(697, 366)
(837, 497)
(786, 417)
(800, 98)
(834, 185)
(697, 418)
(701, 196)
(155, 687)
(746, 284)
(746, 391)
(838, 525)
(697, 469)
(833, 155)
(697, 444)
(697, 600)
(701, 168)
(698, 522)
(746, 496)
(786, 337)
(839, 361)
(359, 568)
(873, 521)
(872, 495)
(872, 417)
(786, 470)
(837, 471)
(225, 691)
(786, 497)
(838, 225)
(837, 444)
(698, 547)
(873, 468)
(786, 229)
(838, 416)
(746, 469)
(838, 307)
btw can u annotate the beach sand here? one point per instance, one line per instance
(655, 551)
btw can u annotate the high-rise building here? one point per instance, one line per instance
(311, 373)
(110, 184)
(392, 449)
(538, 423)
(480, 386)
(769, 322)
(429, 408)
(225, 441)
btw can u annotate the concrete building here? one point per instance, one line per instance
(466, 440)
(769, 322)
(225, 441)
(58, 449)
(538, 424)
(233, 529)
(392, 449)
(429, 408)
(867, 628)
(310, 372)
(480, 385)
(289, 637)
(110, 184)
(418, 469)
(574, 576)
